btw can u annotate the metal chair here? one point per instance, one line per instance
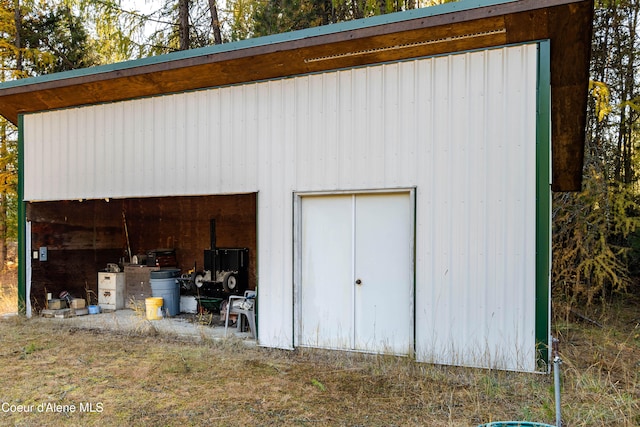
(242, 306)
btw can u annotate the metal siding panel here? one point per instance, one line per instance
(270, 297)
(172, 145)
(392, 143)
(148, 148)
(182, 146)
(289, 138)
(275, 267)
(264, 131)
(313, 144)
(72, 153)
(439, 303)
(104, 158)
(210, 147)
(36, 153)
(330, 139)
(249, 179)
(424, 172)
(51, 155)
(153, 145)
(407, 123)
(374, 146)
(238, 148)
(99, 163)
(58, 153)
(111, 142)
(360, 121)
(226, 136)
(458, 195)
(274, 140)
(199, 138)
(52, 147)
(477, 163)
(121, 126)
(131, 168)
(303, 128)
(345, 130)
(125, 132)
(160, 153)
(173, 140)
(144, 165)
(528, 197)
(478, 311)
(32, 130)
(190, 145)
(85, 150)
(87, 123)
(274, 220)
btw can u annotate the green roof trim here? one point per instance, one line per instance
(390, 18)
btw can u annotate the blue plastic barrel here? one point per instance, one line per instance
(164, 284)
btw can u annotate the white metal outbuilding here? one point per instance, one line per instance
(403, 205)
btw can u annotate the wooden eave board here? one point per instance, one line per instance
(567, 23)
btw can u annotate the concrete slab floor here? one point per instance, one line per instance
(135, 322)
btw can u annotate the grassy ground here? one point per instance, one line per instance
(148, 380)
(8, 291)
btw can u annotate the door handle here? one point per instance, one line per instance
(358, 282)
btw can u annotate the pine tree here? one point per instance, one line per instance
(596, 245)
(33, 41)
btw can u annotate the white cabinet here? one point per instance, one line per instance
(111, 291)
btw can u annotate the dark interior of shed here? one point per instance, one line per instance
(82, 237)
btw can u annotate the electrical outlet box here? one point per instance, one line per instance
(43, 253)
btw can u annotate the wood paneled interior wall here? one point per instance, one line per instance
(82, 237)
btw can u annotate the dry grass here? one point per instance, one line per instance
(8, 291)
(149, 380)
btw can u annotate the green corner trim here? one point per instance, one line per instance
(22, 265)
(543, 205)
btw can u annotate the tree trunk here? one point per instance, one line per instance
(3, 201)
(382, 4)
(215, 22)
(183, 23)
(4, 137)
(18, 23)
(631, 91)
(356, 9)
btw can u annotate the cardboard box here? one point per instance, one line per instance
(57, 304)
(78, 303)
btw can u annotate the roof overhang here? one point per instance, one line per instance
(453, 27)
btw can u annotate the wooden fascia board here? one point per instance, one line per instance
(280, 59)
(572, 31)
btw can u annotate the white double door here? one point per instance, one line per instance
(356, 272)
